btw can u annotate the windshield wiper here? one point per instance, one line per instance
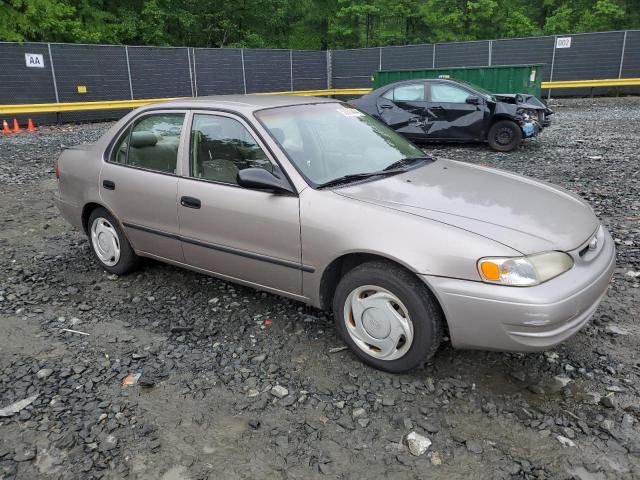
(355, 176)
(405, 162)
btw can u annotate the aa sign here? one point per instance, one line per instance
(34, 60)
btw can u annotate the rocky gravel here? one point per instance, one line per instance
(168, 374)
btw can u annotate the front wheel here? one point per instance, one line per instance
(504, 136)
(108, 243)
(387, 316)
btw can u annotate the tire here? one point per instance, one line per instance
(504, 136)
(110, 246)
(419, 314)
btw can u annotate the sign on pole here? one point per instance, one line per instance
(34, 60)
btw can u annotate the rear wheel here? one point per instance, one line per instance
(504, 135)
(387, 316)
(110, 247)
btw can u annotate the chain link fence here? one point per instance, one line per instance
(54, 72)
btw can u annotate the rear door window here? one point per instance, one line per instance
(152, 143)
(413, 92)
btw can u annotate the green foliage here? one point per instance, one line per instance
(307, 24)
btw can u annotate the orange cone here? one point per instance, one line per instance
(30, 127)
(16, 127)
(5, 128)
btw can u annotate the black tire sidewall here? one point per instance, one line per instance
(423, 312)
(515, 140)
(128, 259)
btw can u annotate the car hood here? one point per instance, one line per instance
(526, 215)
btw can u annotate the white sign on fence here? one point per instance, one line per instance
(34, 60)
(563, 42)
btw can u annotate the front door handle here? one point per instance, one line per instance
(190, 202)
(108, 184)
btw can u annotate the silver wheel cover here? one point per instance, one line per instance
(105, 241)
(378, 322)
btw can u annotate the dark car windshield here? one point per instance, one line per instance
(328, 141)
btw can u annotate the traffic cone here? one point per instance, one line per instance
(30, 127)
(16, 127)
(5, 128)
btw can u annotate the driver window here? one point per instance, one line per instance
(441, 92)
(221, 147)
(407, 93)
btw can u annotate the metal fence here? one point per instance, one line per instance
(80, 73)
(584, 56)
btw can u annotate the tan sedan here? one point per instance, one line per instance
(314, 200)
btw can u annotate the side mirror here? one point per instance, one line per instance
(262, 179)
(473, 100)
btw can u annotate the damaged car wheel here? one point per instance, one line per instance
(504, 136)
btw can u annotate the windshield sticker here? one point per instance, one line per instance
(349, 112)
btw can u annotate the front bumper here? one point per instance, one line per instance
(496, 317)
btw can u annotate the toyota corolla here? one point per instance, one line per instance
(313, 200)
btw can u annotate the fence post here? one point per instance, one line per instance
(195, 73)
(380, 58)
(329, 69)
(190, 72)
(553, 63)
(53, 74)
(126, 53)
(490, 52)
(433, 57)
(291, 68)
(624, 44)
(244, 77)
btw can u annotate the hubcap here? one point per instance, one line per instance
(105, 241)
(378, 322)
(503, 136)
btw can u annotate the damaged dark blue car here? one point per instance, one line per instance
(444, 110)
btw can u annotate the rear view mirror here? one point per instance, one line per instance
(262, 179)
(473, 100)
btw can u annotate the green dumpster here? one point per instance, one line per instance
(496, 79)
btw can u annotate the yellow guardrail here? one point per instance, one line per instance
(127, 104)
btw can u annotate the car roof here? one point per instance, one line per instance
(240, 103)
(414, 80)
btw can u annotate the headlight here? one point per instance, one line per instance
(524, 271)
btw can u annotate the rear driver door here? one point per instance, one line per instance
(404, 108)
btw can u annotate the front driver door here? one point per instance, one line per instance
(235, 232)
(404, 108)
(452, 118)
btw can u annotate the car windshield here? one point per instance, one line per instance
(330, 141)
(482, 91)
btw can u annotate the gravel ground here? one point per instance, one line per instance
(210, 353)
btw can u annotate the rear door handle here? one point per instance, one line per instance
(190, 202)
(386, 105)
(108, 184)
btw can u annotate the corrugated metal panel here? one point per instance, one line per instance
(354, 68)
(21, 84)
(267, 70)
(159, 72)
(462, 54)
(524, 50)
(218, 71)
(499, 79)
(409, 57)
(309, 70)
(101, 68)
